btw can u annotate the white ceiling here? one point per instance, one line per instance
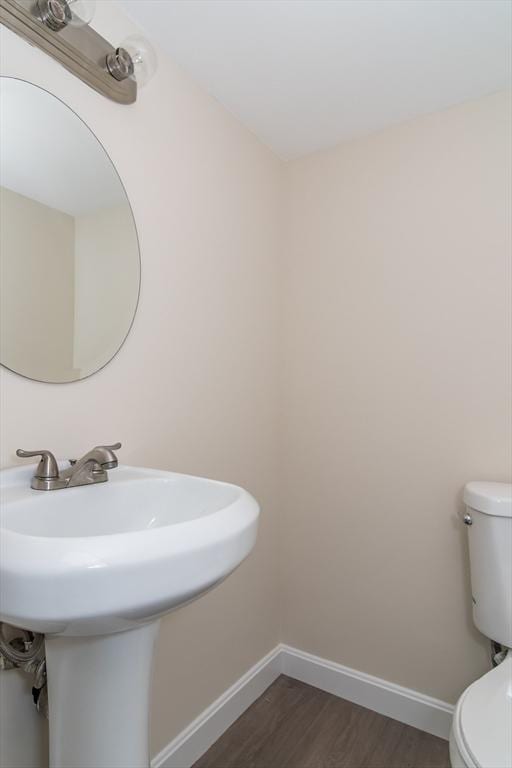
(48, 154)
(306, 74)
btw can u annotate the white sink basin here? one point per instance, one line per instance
(102, 558)
(93, 568)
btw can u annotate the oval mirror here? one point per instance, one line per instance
(69, 254)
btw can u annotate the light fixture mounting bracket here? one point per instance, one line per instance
(80, 50)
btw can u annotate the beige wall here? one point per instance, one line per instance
(396, 390)
(193, 389)
(36, 286)
(107, 270)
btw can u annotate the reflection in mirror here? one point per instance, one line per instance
(69, 256)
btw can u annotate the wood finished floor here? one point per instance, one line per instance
(293, 725)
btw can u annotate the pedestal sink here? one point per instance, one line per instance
(94, 568)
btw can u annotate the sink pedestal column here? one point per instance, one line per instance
(98, 693)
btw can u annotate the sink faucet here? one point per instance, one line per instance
(91, 468)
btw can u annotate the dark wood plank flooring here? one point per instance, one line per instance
(293, 725)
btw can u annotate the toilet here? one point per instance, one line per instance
(481, 734)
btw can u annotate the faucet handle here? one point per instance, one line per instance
(114, 447)
(47, 468)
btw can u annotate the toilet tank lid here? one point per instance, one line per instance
(491, 498)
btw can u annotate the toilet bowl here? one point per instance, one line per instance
(481, 735)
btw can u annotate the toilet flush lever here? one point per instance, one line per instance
(467, 519)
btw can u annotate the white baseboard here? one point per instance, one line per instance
(403, 704)
(196, 738)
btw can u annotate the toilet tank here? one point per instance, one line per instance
(489, 525)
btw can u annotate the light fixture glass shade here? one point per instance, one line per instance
(143, 56)
(82, 12)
